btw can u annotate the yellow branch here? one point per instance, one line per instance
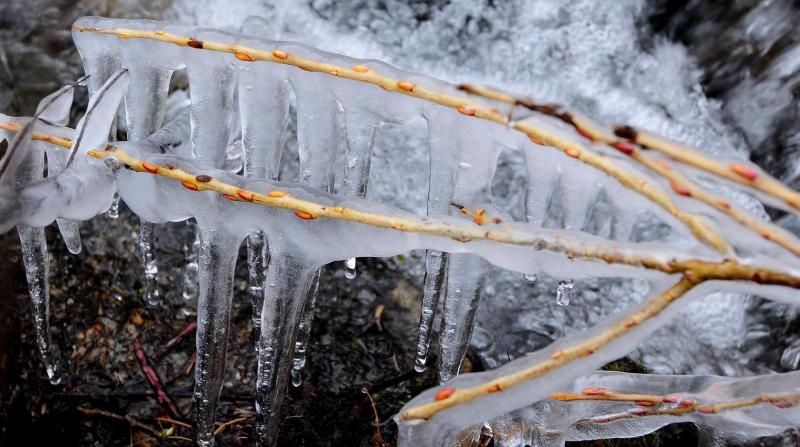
(728, 269)
(63, 142)
(558, 359)
(464, 106)
(653, 405)
(736, 172)
(694, 271)
(679, 183)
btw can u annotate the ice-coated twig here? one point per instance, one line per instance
(604, 405)
(464, 106)
(727, 269)
(744, 174)
(450, 397)
(652, 405)
(679, 183)
(114, 86)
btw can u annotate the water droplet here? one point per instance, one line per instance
(564, 292)
(350, 268)
(530, 277)
(297, 378)
(419, 364)
(113, 210)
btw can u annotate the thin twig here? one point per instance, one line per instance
(450, 397)
(175, 341)
(170, 420)
(125, 418)
(377, 437)
(153, 379)
(225, 425)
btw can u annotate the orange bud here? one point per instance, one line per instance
(572, 152)
(680, 189)
(304, 215)
(744, 171)
(151, 168)
(706, 410)
(276, 194)
(584, 133)
(466, 110)
(407, 86)
(595, 391)
(244, 57)
(246, 195)
(360, 68)
(495, 388)
(280, 54)
(535, 139)
(189, 185)
(445, 393)
(230, 197)
(623, 147)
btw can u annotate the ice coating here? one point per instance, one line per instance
(159, 200)
(671, 399)
(37, 264)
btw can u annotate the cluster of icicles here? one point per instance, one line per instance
(338, 119)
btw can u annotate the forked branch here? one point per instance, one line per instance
(362, 73)
(679, 183)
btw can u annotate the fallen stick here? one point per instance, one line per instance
(175, 341)
(130, 419)
(152, 378)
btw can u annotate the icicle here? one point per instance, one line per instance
(318, 142)
(362, 129)
(70, 233)
(145, 106)
(218, 253)
(34, 257)
(113, 210)
(288, 282)
(433, 287)
(69, 229)
(257, 260)
(577, 194)
(211, 82)
(147, 243)
(191, 250)
(564, 292)
(264, 111)
(304, 332)
(442, 149)
(466, 273)
(350, 268)
(54, 109)
(543, 172)
(24, 164)
(37, 270)
(465, 277)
